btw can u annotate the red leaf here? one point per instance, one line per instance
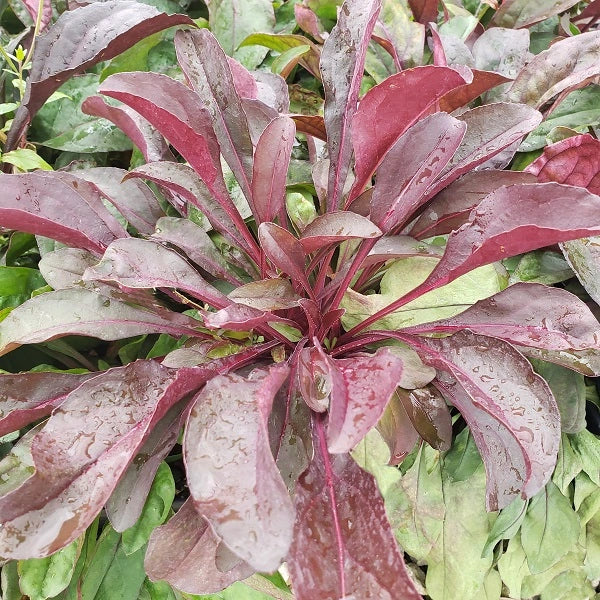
(390, 108)
(342, 65)
(311, 124)
(32, 8)
(271, 163)
(461, 96)
(266, 294)
(232, 476)
(314, 378)
(510, 410)
(239, 317)
(341, 521)
(397, 430)
(424, 11)
(308, 21)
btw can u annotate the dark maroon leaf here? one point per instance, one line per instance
(424, 11)
(63, 268)
(452, 206)
(410, 167)
(85, 446)
(284, 251)
(462, 95)
(271, 163)
(527, 314)
(27, 397)
(510, 410)
(266, 294)
(342, 65)
(312, 125)
(390, 108)
(79, 39)
(150, 142)
(360, 389)
(83, 312)
(336, 227)
(133, 199)
(343, 544)
(183, 553)
(396, 429)
(35, 203)
(232, 475)
(138, 263)
(206, 68)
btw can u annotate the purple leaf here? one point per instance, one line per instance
(266, 294)
(132, 198)
(35, 203)
(342, 65)
(271, 163)
(399, 246)
(183, 552)
(410, 167)
(308, 21)
(239, 317)
(336, 227)
(83, 312)
(32, 8)
(137, 263)
(563, 66)
(360, 389)
(206, 68)
(452, 206)
(79, 39)
(390, 108)
(396, 429)
(343, 544)
(259, 116)
(27, 397)
(150, 142)
(314, 378)
(424, 11)
(86, 446)
(284, 251)
(510, 410)
(483, 81)
(522, 13)
(527, 314)
(63, 268)
(232, 475)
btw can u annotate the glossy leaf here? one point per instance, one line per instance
(83, 312)
(342, 64)
(183, 552)
(240, 317)
(271, 163)
(231, 469)
(397, 429)
(483, 81)
(314, 378)
(34, 202)
(87, 446)
(509, 409)
(410, 167)
(391, 108)
(521, 13)
(80, 39)
(343, 545)
(138, 263)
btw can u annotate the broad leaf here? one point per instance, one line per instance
(342, 64)
(483, 81)
(231, 469)
(17, 285)
(64, 267)
(498, 393)
(267, 294)
(522, 13)
(343, 545)
(80, 39)
(424, 11)
(239, 317)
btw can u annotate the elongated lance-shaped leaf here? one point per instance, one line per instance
(390, 108)
(271, 163)
(185, 553)
(79, 39)
(231, 470)
(510, 410)
(342, 65)
(83, 450)
(266, 294)
(396, 429)
(149, 141)
(27, 397)
(132, 198)
(462, 95)
(527, 314)
(411, 166)
(83, 312)
(138, 263)
(399, 246)
(207, 70)
(35, 203)
(515, 14)
(240, 317)
(184, 181)
(343, 544)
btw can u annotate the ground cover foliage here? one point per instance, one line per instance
(300, 300)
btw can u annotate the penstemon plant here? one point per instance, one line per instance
(309, 325)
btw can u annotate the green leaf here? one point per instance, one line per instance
(541, 266)
(26, 160)
(406, 274)
(156, 590)
(463, 459)
(9, 579)
(569, 585)
(568, 465)
(550, 529)
(587, 446)
(512, 567)
(286, 61)
(506, 525)
(17, 284)
(42, 578)
(7, 107)
(407, 35)
(591, 563)
(155, 511)
(134, 58)
(18, 245)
